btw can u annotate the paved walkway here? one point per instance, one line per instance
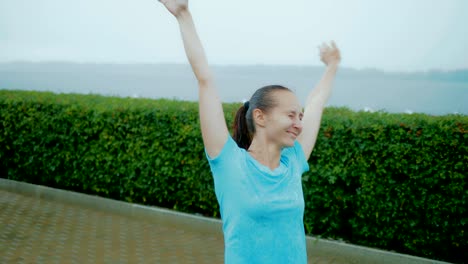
(43, 231)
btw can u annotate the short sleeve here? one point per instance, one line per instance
(228, 152)
(225, 170)
(301, 159)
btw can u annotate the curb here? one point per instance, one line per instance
(318, 246)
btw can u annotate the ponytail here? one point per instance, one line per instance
(241, 133)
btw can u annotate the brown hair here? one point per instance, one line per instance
(244, 125)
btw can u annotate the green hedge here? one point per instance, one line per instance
(390, 181)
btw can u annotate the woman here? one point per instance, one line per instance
(257, 172)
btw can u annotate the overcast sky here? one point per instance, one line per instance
(397, 35)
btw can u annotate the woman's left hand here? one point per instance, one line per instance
(330, 54)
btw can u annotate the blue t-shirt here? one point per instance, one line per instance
(262, 209)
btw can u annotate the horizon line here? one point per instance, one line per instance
(367, 68)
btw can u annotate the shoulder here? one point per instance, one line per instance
(229, 151)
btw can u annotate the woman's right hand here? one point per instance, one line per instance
(176, 7)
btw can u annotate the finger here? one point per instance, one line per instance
(320, 49)
(333, 44)
(324, 46)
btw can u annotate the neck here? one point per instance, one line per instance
(265, 153)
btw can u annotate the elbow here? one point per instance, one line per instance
(204, 77)
(205, 81)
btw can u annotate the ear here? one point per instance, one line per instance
(259, 117)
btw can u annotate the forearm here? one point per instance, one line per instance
(318, 97)
(193, 48)
(322, 91)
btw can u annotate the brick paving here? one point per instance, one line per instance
(44, 231)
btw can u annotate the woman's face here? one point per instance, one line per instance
(284, 122)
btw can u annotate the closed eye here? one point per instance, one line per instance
(293, 115)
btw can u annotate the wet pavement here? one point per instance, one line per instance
(45, 231)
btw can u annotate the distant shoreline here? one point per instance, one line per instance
(461, 72)
(432, 92)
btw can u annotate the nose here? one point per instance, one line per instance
(298, 124)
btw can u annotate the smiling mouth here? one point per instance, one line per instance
(292, 133)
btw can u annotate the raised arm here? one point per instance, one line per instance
(318, 97)
(213, 124)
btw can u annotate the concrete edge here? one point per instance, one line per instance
(201, 224)
(152, 213)
(364, 254)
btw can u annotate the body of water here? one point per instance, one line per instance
(435, 93)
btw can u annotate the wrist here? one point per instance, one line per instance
(183, 14)
(333, 65)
